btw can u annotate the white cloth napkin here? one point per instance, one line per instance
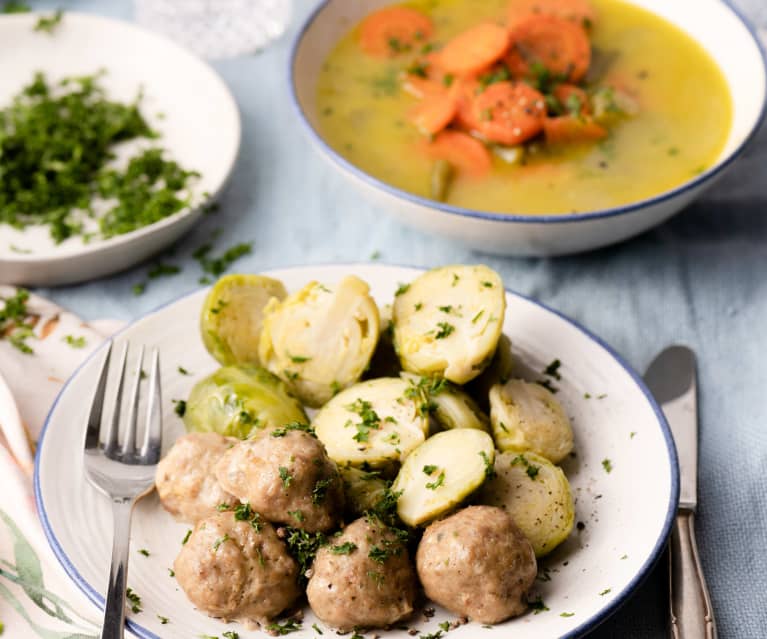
(37, 599)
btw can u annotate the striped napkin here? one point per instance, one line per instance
(37, 600)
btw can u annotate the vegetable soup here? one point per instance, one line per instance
(529, 106)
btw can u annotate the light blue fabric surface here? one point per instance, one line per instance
(700, 279)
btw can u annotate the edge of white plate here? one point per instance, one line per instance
(589, 625)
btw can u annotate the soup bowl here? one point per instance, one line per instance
(717, 26)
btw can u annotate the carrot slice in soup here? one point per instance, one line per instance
(462, 151)
(389, 31)
(568, 128)
(573, 99)
(473, 50)
(560, 46)
(508, 112)
(579, 11)
(420, 87)
(434, 112)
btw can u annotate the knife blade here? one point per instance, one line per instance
(672, 378)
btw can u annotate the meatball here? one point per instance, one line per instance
(477, 563)
(185, 480)
(234, 566)
(286, 476)
(363, 578)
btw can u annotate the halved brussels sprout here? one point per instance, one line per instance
(364, 489)
(377, 422)
(525, 416)
(449, 405)
(232, 315)
(447, 322)
(497, 372)
(239, 402)
(441, 473)
(318, 340)
(536, 494)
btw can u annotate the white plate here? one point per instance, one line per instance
(184, 99)
(627, 513)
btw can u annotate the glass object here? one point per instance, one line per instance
(217, 28)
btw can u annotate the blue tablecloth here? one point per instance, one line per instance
(700, 279)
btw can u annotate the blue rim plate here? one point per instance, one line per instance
(559, 218)
(392, 274)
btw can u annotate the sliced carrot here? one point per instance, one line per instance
(392, 30)
(579, 11)
(568, 128)
(508, 112)
(558, 45)
(462, 151)
(434, 112)
(573, 99)
(420, 87)
(473, 50)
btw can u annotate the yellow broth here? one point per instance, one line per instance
(682, 125)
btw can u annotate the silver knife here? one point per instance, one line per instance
(672, 379)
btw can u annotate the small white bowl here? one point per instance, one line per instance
(716, 25)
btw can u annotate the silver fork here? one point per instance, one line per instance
(121, 471)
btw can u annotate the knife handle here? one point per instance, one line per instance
(692, 616)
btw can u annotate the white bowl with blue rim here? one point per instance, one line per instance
(625, 506)
(715, 24)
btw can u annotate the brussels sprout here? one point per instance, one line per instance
(364, 490)
(319, 341)
(449, 405)
(525, 416)
(239, 401)
(441, 473)
(536, 494)
(447, 322)
(232, 314)
(377, 422)
(497, 372)
(384, 362)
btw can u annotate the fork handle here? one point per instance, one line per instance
(114, 610)
(692, 616)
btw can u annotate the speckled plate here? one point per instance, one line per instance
(184, 99)
(626, 513)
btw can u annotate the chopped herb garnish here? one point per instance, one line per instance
(436, 484)
(567, 614)
(538, 606)
(219, 541)
(456, 278)
(298, 359)
(180, 407)
(418, 306)
(448, 79)
(552, 370)
(217, 266)
(134, 601)
(489, 468)
(302, 546)
(285, 476)
(475, 319)
(75, 342)
(162, 270)
(501, 74)
(316, 629)
(418, 68)
(444, 625)
(46, 24)
(230, 634)
(284, 628)
(320, 490)
(15, 6)
(143, 551)
(531, 469)
(162, 620)
(432, 635)
(298, 515)
(429, 469)
(370, 419)
(445, 330)
(171, 572)
(183, 371)
(15, 323)
(284, 430)
(401, 289)
(345, 548)
(138, 289)
(605, 591)
(607, 465)
(186, 537)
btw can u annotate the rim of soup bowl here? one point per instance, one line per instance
(550, 218)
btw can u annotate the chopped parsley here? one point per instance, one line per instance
(320, 490)
(432, 635)
(230, 634)
(605, 592)
(162, 620)
(284, 628)
(456, 278)
(217, 266)
(186, 537)
(15, 6)
(134, 601)
(75, 342)
(567, 614)
(220, 540)
(445, 329)
(316, 629)
(424, 390)
(15, 323)
(401, 289)
(345, 548)
(162, 270)
(607, 465)
(298, 515)
(538, 606)
(298, 359)
(531, 469)
(143, 551)
(501, 74)
(418, 68)
(302, 546)
(370, 419)
(389, 548)
(489, 468)
(47, 24)
(284, 430)
(475, 319)
(180, 407)
(552, 370)
(439, 481)
(429, 469)
(285, 476)
(243, 512)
